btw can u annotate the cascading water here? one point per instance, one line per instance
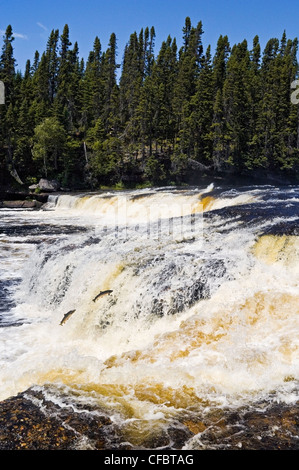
(203, 313)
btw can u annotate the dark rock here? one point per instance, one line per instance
(22, 196)
(267, 427)
(48, 186)
(13, 196)
(33, 187)
(30, 422)
(21, 204)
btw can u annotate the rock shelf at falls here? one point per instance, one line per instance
(195, 348)
(30, 422)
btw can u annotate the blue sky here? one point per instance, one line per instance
(33, 20)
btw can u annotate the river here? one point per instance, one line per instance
(197, 334)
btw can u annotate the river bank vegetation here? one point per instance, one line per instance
(138, 116)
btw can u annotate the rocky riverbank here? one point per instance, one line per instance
(32, 197)
(26, 204)
(22, 199)
(30, 421)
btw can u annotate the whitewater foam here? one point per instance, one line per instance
(208, 318)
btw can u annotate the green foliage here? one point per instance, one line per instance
(155, 171)
(48, 144)
(91, 124)
(105, 160)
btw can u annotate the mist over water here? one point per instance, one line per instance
(203, 311)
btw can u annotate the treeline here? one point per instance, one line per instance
(88, 124)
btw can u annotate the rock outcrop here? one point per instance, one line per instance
(46, 185)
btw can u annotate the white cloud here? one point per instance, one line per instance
(42, 26)
(15, 35)
(21, 36)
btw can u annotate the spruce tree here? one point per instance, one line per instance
(8, 110)
(230, 112)
(91, 86)
(219, 125)
(63, 76)
(253, 159)
(130, 84)
(201, 115)
(110, 113)
(135, 84)
(52, 63)
(236, 104)
(190, 56)
(7, 64)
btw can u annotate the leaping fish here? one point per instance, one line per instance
(66, 317)
(101, 294)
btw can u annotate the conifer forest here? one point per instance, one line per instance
(146, 116)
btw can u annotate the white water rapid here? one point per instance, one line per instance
(204, 308)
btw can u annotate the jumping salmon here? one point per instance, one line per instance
(66, 317)
(101, 294)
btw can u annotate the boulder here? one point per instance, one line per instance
(33, 187)
(48, 186)
(21, 204)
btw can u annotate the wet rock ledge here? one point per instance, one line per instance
(30, 421)
(32, 197)
(22, 200)
(21, 204)
(25, 425)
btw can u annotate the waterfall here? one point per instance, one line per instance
(203, 308)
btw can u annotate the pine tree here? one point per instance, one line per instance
(155, 112)
(286, 153)
(254, 159)
(63, 73)
(52, 63)
(269, 109)
(201, 117)
(7, 64)
(24, 122)
(68, 97)
(130, 84)
(137, 67)
(190, 57)
(149, 59)
(110, 114)
(87, 124)
(219, 125)
(41, 103)
(91, 86)
(8, 115)
(236, 103)
(35, 62)
(189, 66)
